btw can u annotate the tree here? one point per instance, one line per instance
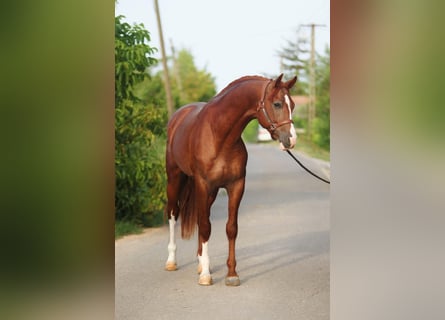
(139, 129)
(295, 60)
(190, 83)
(321, 135)
(132, 58)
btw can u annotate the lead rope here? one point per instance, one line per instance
(291, 154)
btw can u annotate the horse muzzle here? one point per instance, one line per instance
(288, 139)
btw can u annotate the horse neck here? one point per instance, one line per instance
(237, 108)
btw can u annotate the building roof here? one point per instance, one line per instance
(300, 100)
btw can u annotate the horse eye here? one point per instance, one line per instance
(277, 104)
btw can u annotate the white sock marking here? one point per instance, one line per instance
(204, 259)
(171, 245)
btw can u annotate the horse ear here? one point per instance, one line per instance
(291, 82)
(278, 81)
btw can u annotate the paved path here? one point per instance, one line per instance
(282, 253)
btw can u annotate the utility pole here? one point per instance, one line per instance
(312, 93)
(168, 90)
(176, 71)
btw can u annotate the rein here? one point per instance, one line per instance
(273, 125)
(292, 155)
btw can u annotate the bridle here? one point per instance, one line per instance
(273, 125)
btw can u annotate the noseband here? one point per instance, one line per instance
(273, 125)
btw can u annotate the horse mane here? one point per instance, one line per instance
(237, 81)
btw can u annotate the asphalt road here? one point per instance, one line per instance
(282, 253)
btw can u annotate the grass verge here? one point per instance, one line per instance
(303, 145)
(122, 228)
(307, 147)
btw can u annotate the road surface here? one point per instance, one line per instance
(282, 253)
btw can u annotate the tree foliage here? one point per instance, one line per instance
(191, 84)
(139, 129)
(321, 135)
(295, 60)
(188, 82)
(132, 57)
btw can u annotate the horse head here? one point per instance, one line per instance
(275, 112)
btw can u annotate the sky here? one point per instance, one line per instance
(231, 38)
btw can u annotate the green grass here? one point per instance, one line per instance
(309, 148)
(122, 228)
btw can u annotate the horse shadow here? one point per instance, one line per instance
(269, 257)
(264, 257)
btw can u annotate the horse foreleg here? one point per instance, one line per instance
(235, 192)
(205, 278)
(204, 227)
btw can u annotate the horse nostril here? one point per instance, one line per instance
(286, 143)
(287, 139)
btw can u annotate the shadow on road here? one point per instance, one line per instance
(269, 257)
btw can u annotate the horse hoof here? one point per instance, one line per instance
(232, 281)
(205, 280)
(171, 266)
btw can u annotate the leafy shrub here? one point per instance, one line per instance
(139, 130)
(139, 161)
(321, 135)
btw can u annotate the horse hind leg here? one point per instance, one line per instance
(175, 182)
(171, 265)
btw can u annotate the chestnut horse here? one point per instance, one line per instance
(205, 152)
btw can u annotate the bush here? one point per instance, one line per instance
(139, 161)
(139, 130)
(321, 135)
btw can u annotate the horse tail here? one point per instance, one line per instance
(187, 209)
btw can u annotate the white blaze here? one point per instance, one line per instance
(293, 134)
